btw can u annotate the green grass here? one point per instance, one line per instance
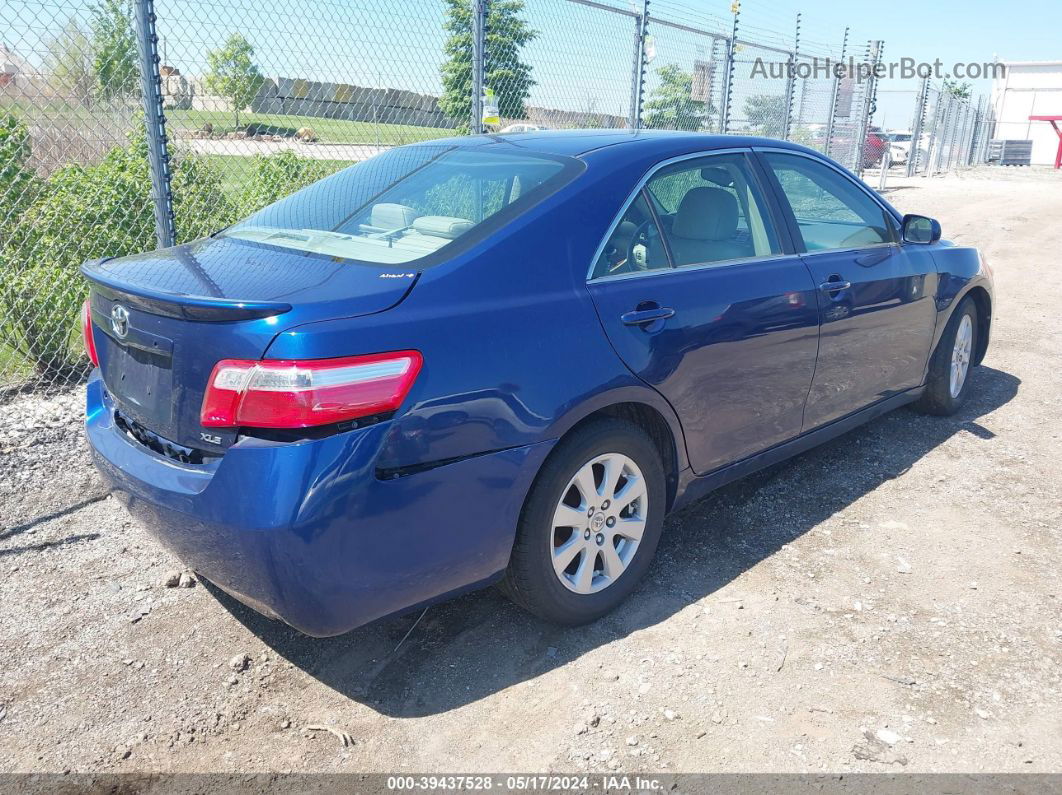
(333, 131)
(12, 368)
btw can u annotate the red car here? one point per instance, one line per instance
(874, 147)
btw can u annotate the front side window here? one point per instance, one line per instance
(831, 211)
(407, 203)
(712, 211)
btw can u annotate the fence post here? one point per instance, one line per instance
(834, 96)
(728, 85)
(945, 99)
(975, 126)
(975, 133)
(986, 133)
(711, 89)
(641, 23)
(916, 127)
(873, 54)
(154, 121)
(958, 130)
(790, 83)
(933, 142)
(479, 35)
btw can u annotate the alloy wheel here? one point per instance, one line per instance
(960, 355)
(599, 523)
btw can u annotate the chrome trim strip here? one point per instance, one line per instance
(812, 254)
(726, 263)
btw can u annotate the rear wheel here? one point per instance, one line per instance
(948, 383)
(590, 525)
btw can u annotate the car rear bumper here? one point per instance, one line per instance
(308, 533)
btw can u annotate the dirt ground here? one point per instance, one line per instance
(888, 602)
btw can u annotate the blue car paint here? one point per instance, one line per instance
(330, 533)
(326, 545)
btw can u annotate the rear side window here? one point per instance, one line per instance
(831, 211)
(712, 211)
(407, 204)
(693, 212)
(635, 244)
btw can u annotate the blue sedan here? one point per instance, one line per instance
(504, 359)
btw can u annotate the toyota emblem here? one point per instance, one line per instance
(119, 321)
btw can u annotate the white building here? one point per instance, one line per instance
(1029, 88)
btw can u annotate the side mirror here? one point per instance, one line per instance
(919, 229)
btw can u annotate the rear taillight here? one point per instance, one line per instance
(86, 332)
(298, 394)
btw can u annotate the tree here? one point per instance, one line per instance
(233, 73)
(671, 105)
(958, 90)
(114, 49)
(510, 78)
(766, 114)
(68, 63)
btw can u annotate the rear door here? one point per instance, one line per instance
(875, 296)
(699, 298)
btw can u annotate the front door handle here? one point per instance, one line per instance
(642, 317)
(834, 284)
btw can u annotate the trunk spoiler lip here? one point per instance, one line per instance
(179, 305)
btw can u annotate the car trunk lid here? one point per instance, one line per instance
(162, 320)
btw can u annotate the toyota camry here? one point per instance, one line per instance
(504, 359)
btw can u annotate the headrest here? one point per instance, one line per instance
(706, 214)
(718, 176)
(391, 216)
(442, 226)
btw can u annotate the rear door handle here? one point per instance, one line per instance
(641, 317)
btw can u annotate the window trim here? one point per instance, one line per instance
(770, 210)
(787, 207)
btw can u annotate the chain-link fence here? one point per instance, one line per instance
(940, 128)
(129, 124)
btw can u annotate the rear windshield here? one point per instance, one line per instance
(407, 203)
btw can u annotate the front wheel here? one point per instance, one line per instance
(590, 526)
(948, 382)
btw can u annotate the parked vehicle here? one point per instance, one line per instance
(899, 146)
(504, 360)
(874, 148)
(523, 127)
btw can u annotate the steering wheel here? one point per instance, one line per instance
(631, 263)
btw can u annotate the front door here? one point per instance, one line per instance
(699, 300)
(875, 296)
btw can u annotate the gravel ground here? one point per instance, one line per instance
(887, 602)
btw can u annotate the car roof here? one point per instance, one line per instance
(575, 143)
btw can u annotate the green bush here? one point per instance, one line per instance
(49, 227)
(200, 204)
(274, 177)
(18, 185)
(79, 213)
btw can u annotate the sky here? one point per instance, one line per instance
(581, 56)
(952, 30)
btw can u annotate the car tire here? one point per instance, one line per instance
(951, 368)
(547, 573)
